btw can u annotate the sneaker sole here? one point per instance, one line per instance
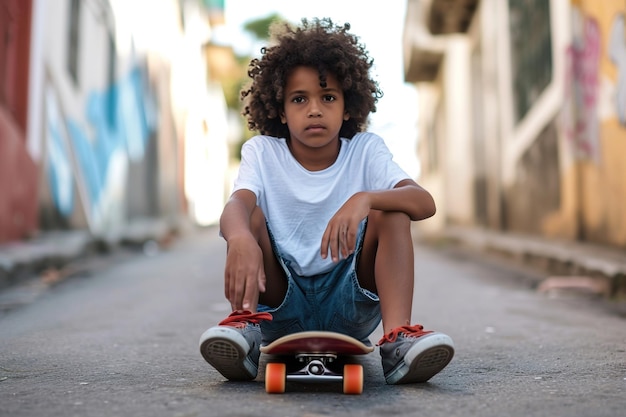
(424, 360)
(227, 351)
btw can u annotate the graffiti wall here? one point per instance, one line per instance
(88, 159)
(617, 55)
(102, 123)
(582, 88)
(91, 147)
(593, 119)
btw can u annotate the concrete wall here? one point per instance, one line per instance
(457, 146)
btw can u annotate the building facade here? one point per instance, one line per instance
(522, 123)
(107, 116)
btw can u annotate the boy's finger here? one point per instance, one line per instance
(335, 246)
(350, 243)
(227, 286)
(251, 294)
(324, 247)
(343, 238)
(262, 281)
(236, 296)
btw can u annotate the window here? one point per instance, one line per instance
(6, 37)
(73, 40)
(531, 52)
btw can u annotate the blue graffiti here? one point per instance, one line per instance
(122, 120)
(59, 171)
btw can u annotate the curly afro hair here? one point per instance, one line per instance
(318, 44)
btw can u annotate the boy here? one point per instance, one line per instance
(318, 225)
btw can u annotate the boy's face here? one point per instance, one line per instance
(313, 114)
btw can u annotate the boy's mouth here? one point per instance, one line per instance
(315, 127)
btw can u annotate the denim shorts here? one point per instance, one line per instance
(333, 301)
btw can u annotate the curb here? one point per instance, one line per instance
(21, 260)
(605, 266)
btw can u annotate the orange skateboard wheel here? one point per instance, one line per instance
(353, 379)
(275, 378)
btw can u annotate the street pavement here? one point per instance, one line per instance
(120, 338)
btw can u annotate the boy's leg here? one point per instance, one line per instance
(408, 353)
(232, 347)
(385, 266)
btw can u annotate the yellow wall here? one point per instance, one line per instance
(604, 181)
(594, 186)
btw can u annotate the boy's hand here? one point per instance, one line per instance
(244, 273)
(340, 234)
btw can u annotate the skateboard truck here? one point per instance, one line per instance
(315, 369)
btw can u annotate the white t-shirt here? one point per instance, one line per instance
(298, 203)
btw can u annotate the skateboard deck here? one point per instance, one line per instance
(317, 355)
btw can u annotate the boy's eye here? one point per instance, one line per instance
(326, 98)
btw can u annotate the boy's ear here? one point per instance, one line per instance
(283, 119)
(346, 116)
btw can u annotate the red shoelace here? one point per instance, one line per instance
(410, 331)
(242, 318)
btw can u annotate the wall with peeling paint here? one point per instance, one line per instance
(18, 172)
(594, 127)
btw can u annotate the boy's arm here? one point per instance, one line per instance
(407, 196)
(244, 275)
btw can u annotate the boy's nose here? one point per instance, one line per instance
(314, 111)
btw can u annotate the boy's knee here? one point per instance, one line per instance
(389, 219)
(392, 224)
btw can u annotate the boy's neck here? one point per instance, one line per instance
(314, 159)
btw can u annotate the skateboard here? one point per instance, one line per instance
(318, 356)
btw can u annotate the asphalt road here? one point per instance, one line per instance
(122, 340)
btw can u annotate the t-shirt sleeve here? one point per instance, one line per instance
(248, 177)
(383, 172)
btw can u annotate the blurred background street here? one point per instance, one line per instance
(120, 132)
